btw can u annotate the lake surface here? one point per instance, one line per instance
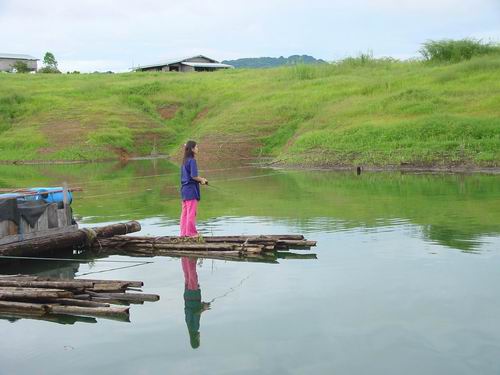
(406, 281)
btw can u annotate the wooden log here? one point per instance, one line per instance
(68, 240)
(73, 285)
(220, 241)
(299, 243)
(112, 312)
(83, 283)
(88, 297)
(29, 308)
(82, 303)
(288, 255)
(239, 238)
(107, 288)
(154, 245)
(132, 284)
(32, 294)
(286, 236)
(115, 301)
(117, 229)
(127, 296)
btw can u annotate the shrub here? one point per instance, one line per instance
(48, 69)
(447, 50)
(21, 67)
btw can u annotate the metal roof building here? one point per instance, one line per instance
(198, 63)
(7, 61)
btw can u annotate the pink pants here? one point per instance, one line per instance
(190, 274)
(188, 218)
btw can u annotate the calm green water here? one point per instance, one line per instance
(406, 279)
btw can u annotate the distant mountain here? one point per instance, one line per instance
(270, 62)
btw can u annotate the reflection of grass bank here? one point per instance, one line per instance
(453, 210)
(361, 111)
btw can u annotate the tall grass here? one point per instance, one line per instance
(447, 50)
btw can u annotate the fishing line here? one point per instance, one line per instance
(104, 181)
(107, 180)
(177, 186)
(134, 263)
(75, 260)
(231, 290)
(115, 269)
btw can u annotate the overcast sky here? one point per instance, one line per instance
(114, 35)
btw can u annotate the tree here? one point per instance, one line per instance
(21, 67)
(50, 64)
(50, 61)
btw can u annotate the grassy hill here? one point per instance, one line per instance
(360, 111)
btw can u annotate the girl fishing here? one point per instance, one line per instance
(190, 189)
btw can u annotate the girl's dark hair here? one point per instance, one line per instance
(188, 151)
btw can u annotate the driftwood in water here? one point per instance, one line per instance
(67, 240)
(38, 296)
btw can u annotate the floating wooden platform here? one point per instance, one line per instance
(32, 296)
(258, 248)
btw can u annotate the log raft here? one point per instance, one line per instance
(26, 296)
(254, 248)
(229, 244)
(114, 239)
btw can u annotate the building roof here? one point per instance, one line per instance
(207, 65)
(15, 56)
(174, 61)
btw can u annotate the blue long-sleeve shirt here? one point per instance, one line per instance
(190, 189)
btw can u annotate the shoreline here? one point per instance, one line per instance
(269, 163)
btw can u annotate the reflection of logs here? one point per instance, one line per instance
(54, 318)
(39, 296)
(66, 240)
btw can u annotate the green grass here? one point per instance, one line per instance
(448, 50)
(375, 112)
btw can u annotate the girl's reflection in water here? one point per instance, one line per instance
(193, 306)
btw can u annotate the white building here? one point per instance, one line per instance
(7, 61)
(189, 64)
